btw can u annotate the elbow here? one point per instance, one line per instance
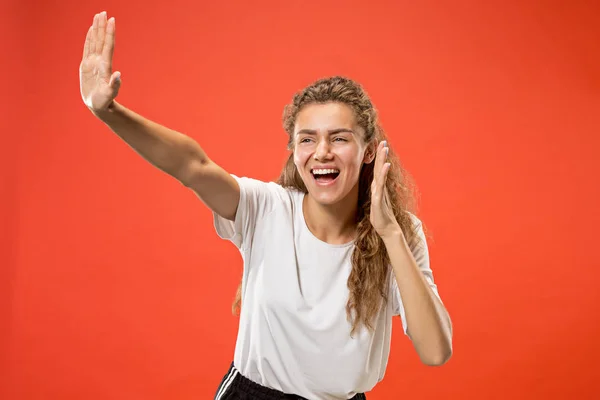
(191, 172)
(441, 352)
(439, 358)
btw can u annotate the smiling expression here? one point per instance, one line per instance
(329, 151)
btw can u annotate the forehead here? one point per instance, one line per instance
(324, 117)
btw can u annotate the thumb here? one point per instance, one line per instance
(115, 81)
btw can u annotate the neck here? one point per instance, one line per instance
(332, 223)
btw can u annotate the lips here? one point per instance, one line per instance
(325, 176)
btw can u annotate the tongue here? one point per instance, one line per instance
(325, 177)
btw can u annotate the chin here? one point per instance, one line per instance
(325, 199)
(327, 196)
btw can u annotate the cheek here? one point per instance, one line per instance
(300, 158)
(352, 157)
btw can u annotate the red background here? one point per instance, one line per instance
(113, 283)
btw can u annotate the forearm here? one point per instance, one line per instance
(429, 324)
(166, 149)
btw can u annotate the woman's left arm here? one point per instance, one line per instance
(428, 322)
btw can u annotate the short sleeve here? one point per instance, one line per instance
(257, 199)
(420, 252)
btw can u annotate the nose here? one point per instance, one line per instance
(322, 152)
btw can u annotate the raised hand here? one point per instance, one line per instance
(382, 216)
(98, 84)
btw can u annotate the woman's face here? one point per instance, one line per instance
(329, 151)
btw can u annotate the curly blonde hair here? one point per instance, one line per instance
(368, 279)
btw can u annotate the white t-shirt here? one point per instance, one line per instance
(294, 335)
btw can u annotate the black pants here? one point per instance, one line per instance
(234, 386)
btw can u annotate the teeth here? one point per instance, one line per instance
(324, 171)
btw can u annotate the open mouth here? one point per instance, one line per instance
(325, 176)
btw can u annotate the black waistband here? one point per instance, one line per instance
(234, 381)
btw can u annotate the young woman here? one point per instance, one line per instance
(331, 250)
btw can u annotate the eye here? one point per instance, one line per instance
(305, 140)
(340, 139)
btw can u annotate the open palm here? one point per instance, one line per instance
(98, 84)
(382, 215)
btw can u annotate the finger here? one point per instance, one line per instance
(115, 81)
(94, 38)
(386, 198)
(380, 156)
(381, 190)
(101, 32)
(88, 41)
(109, 41)
(385, 172)
(376, 164)
(383, 177)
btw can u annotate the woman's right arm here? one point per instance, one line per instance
(172, 152)
(178, 155)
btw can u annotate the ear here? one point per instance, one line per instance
(370, 152)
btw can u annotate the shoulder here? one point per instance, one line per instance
(416, 226)
(418, 240)
(268, 191)
(415, 220)
(257, 185)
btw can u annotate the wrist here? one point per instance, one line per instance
(106, 113)
(394, 236)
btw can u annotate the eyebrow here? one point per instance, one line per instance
(331, 131)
